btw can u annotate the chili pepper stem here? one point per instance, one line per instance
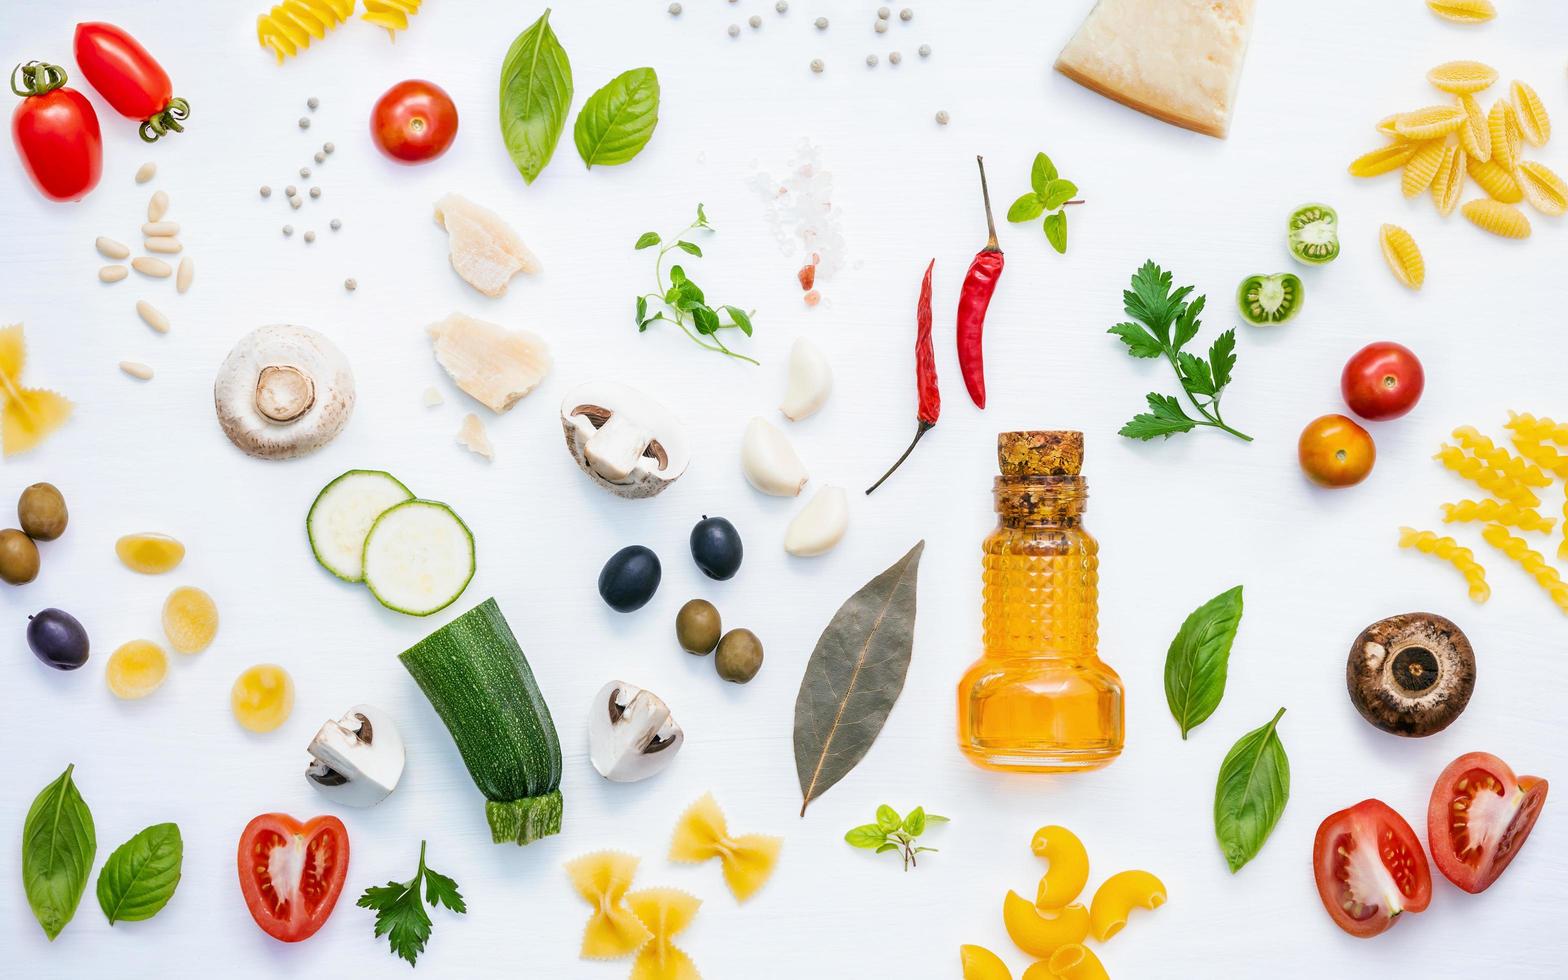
(919, 434)
(990, 223)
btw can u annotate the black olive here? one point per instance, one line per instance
(630, 578)
(1412, 674)
(716, 547)
(57, 639)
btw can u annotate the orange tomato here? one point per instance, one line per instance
(1336, 452)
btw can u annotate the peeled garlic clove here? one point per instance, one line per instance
(820, 525)
(769, 461)
(810, 381)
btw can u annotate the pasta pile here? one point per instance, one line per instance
(1511, 477)
(292, 24)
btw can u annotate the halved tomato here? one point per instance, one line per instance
(1370, 868)
(292, 873)
(1479, 817)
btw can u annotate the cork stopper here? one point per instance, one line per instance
(1039, 453)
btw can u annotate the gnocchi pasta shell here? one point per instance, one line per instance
(1498, 183)
(1502, 220)
(1429, 123)
(1449, 182)
(1534, 124)
(1402, 255)
(1463, 11)
(1503, 121)
(1475, 135)
(1545, 191)
(1383, 159)
(1422, 168)
(1462, 77)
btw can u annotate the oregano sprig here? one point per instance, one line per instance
(1048, 192)
(893, 832)
(685, 305)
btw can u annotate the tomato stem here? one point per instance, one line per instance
(165, 122)
(37, 78)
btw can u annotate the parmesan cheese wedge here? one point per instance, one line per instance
(1176, 60)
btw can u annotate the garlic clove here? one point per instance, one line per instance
(810, 381)
(769, 461)
(820, 525)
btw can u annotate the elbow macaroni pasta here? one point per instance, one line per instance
(1040, 932)
(1449, 550)
(1072, 962)
(1120, 894)
(1532, 561)
(1068, 869)
(979, 963)
(1497, 512)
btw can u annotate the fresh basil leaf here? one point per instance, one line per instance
(1042, 173)
(741, 318)
(690, 297)
(1253, 788)
(887, 847)
(1222, 358)
(915, 822)
(1198, 658)
(888, 818)
(642, 309)
(1140, 343)
(689, 248)
(1165, 419)
(643, 326)
(1027, 208)
(702, 217)
(1058, 193)
(648, 239)
(1056, 231)
(868, 836)
(140, 876)
(705, 320)
(58, 846)
(536, 93)
(922, 850)
(618, 120)
(937, 818)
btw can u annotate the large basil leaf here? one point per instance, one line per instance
(140, 876)
(536, 92)
(58, 846)
(617, 121)
(854, 676)
(1196, 663)
(1253, 786)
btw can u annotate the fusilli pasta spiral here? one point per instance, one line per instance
(1498, 512)
(291, 24)
(1451, 551)
(1482, 447)
(1531, 561)
(1488, 478)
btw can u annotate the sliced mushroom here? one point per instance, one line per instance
(358, 759)
(631, 735)
(1411, 674)
(628, 443)
(283, 391)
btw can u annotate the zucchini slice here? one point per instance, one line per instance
(419, 557)
(341, 515)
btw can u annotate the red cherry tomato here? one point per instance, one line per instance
(129, 79)
(1336, 452)
(1382, 381)
(292, 873)
(1370, 868)
(56, 133)
(414, 122)
(1479, 817)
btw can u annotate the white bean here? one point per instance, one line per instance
(151, 316)
(155, 229)
(145, 172)
(158, 206)
(112, 273)
(137, 370)
(164, 244)
(111, 249)
(149, 266)
(183, 277)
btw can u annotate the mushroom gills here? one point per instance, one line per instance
(358, 759)
(342, 514)
(627, 442)
(631, 734)
(494, 366)
(1411, 674)
(419, 557)
(484, 250)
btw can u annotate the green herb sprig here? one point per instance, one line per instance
(684, 302)
(1251, 792)
(400, 909)
(1049, 192)
(1156, 308)
(892, 832)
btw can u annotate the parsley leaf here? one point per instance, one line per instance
(401, 915)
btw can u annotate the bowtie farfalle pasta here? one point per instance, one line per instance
(602, 879)
(29, 414)
(702, 834)
(667, 912)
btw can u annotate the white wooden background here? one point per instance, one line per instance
(1178, 521)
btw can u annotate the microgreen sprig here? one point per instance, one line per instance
(1048, 192)
(892, 832)
(684, 302)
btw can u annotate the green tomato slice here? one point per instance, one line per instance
(1314, 234)
(1270, 299)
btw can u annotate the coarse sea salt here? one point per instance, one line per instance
(801, 213)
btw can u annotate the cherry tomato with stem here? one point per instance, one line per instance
(56, 133)
(415, 121)
(1382, 381)
(130, 79)
(292, 873)
(1370, 868)
(1479, 817)
(1336, 452)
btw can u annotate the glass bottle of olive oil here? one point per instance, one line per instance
(1039, 699)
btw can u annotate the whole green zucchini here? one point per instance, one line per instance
(479, 682)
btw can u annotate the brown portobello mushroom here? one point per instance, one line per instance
(1411, 674)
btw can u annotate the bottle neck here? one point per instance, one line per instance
(1040, 501)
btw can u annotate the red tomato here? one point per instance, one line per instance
(1479, 817)
(1336, 452)
(291, 873)
(414, 122)
(56, 133)
(129, 79)
(1369, 868)
(1382, 381)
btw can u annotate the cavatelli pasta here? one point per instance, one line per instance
(1543, 456)
(1527, 426)
(1462, 77)
(1482, 447)
(1545, 191)
(1451, 551)
(1386, 126)
(1422, 168)
(1534, 124)
(1463, 11)
(290, 25)
(1503, 121)
(1383, 159)
(1488, 478)
(1475, 135)
(1429, 123)
(1502, 220)
(1498, 183)
(1530, 560)
(1562, 549)
(1449, 183)
(1498, 512)
(1402, 255)
(390, 14)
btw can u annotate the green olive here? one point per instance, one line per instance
(740, 656)
(42, 512)
(18, 557)
(697, 627)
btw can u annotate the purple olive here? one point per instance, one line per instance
(57, 639)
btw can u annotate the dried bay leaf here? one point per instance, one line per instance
(854, 676)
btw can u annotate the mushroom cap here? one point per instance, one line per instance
(1411, 674)
(586, 409)
(283, 391)
(631, 734)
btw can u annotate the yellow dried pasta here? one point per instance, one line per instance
(1383, 159)
(1532, 561)
(747, 860)
(1429, 123)
(1503, 122)
(1386, 126)
(1543, 456)
(290, 25)
(1488, 478)
(1422, 168)
(1483, 448)
(1449, 182)
(1502, 220)
(1562, 549)
(1545, 191)
(1463, 11)
(1534, 124)
(1451, 551)
(1402, 255)
(1527, 426)
(390, 14)
(1498, 183)
(601, 879)
(1475, 135)
(1498, 512)
(666, 912)
(1462, 77)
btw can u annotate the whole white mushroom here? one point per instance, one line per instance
(283, 391)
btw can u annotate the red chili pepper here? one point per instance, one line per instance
(979, 284)
(925, 374)
(129, 79)
(56, 133)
